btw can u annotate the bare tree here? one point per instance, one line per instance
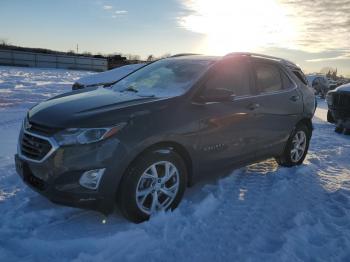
(3, 41)
(150, 58)
(330, 72)
(327, 69)
(166, 55)
(132, 57)
(86, 53)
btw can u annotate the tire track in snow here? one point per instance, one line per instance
(261, 211)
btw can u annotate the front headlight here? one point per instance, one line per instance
(329, 99)
(73, 136)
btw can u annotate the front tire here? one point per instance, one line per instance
(155, 182)
(296, 148)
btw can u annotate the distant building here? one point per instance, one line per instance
(39, 57)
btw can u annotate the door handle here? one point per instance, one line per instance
(253, 106)
(294, 98)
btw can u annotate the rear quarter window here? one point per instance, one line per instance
(300, 76)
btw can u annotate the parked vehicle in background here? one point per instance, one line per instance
(338, 101)
(140, 142)
(319, 83)
(106, 77)
(343, 81)
(332, 84)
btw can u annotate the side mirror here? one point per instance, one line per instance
(216, 95)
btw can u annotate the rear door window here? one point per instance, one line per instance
(232, 75)
(287, 83)
(270, 78)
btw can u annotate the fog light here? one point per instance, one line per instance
(91, 179)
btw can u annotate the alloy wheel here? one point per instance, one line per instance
(298, 146)
(157, 187)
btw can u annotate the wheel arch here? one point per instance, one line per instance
(167, 145)
(179, 149)
(307, 122)
(281, 159)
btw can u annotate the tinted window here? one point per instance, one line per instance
(167, 77)
(268, 78)
(322, 80)
(230, 75)
(316, 81)
(319, 81)
(287, 83)
(301, 76)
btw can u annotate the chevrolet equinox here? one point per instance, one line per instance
(139, 142)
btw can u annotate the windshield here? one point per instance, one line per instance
(164, 78)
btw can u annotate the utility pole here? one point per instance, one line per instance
(77, 48)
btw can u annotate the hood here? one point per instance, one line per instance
(343, 88)
(86, 109)
(109, 76)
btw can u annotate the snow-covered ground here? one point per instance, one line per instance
(258, 213)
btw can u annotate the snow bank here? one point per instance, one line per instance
(258, 213)
(24, 88)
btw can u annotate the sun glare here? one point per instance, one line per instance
(239, 25)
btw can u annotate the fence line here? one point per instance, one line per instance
(32, 59)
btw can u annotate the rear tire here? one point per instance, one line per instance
(330, 118)
(339, 129)
(296, 148)
(145, 189)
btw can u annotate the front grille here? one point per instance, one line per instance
(34, 147)
(41, 129)
(341, 100)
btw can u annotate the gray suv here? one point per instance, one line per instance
(141, 141)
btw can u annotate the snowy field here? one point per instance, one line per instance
(258, 213)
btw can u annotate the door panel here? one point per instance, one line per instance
(276, 116)
(227, 133)
(280, 106)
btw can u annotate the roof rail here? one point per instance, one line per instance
(286, 62)
(183, 54)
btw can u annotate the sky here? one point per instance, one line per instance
(314, 34)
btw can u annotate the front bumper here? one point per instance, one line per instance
(340, 116)
(75, 196)
(57, 178)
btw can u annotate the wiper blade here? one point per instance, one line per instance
(130, 89)
(143, 95)
(133, 89)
